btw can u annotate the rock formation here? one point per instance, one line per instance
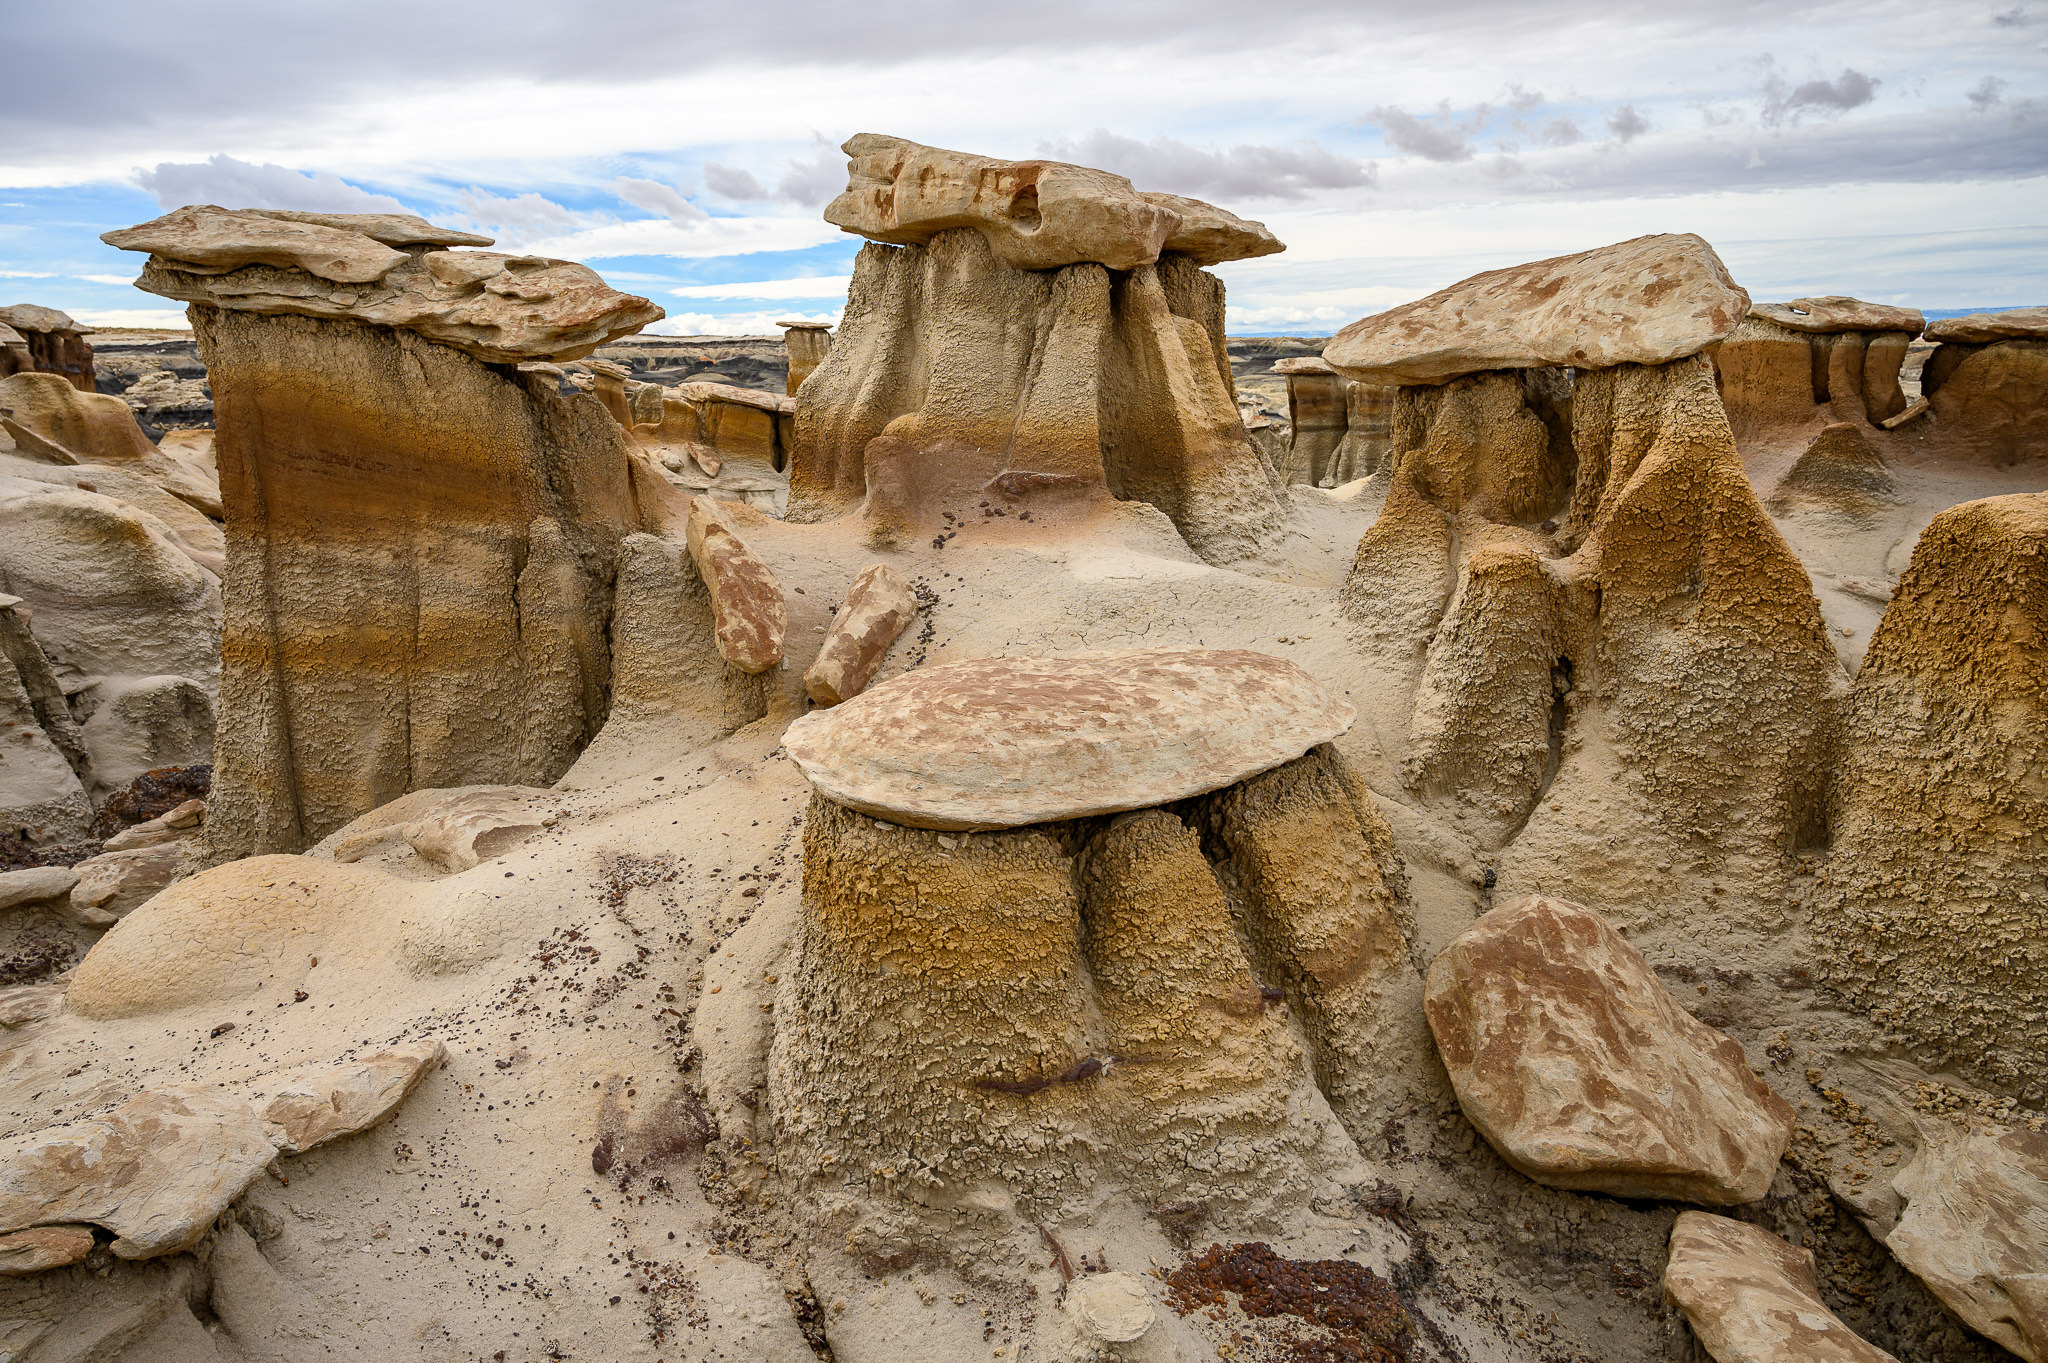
(1037, 332)
(1837, 358)
(380, 639)
(878, 606)
(1089, 975)
(1934, 918)
(809, 343)
(45, 341)
(1584, 1073)
(1752, 1298)
(1987, 384)
(1338, 429)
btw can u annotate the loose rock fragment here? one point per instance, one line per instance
(878, 606)
(746, 600)
(1572, 1060)
(1752, 1298)
(314, 1104)
(1975, 1230)
(43, 1247)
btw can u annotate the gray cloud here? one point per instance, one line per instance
(656, 197)
(1850, 90)
(515, 218)
(1560, 132)
(238, 184)
(1989, 91)
(737, 185)
(1433, 139)
(814, 180)
(1244, 171)
(1625, 124)
(1523, 102)
(2012, 18)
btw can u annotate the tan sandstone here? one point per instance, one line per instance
(1577, 1065)
(1838, 313)
(314, 1104)
(1651, 300)
(746, 600)
(1003, 742)
(1752, 1298)
(2017, 324)
(43, 1247)
(878, 606)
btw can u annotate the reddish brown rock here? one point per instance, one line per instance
(1003, 742)
(1646, 301)
(746, 600)
(1752, 1298)
(1584, 1073)
(43, 1247)
(877, 607)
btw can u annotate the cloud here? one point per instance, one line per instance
(734, 323)
(1561, 132)
(173, 319)
(1989, 91)
(1625, 124)
(1433, 140)
(738, 185)
(1850, 90)
(238, 184)
(1523, 102)
(656, 197)
(1244, 171)
(822, 286)
(32, 274)
(814, 180)
(106, 278)
(2012, 18)
(516, 218)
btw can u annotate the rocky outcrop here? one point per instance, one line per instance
(1752, 1298)
(421, 558)
(500, 309)
(1002, 742)
(113, 884)
(52, 420)
(1051, 367)
(878, 606)
(1338, 430)
(808, 344)
(43, 763)
(1933, 918)
(1978, 328)
(1975, 1230)
(962, 1009)
(45, 341)
(1834, 358)
(1584, 1073)
(1647, 301)
(43, 1247)
(1990, 399)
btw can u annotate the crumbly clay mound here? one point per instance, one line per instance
(1003, 742)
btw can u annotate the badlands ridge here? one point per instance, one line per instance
(1019, 828)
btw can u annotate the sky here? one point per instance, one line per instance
(1894, 150)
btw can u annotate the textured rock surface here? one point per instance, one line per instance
(878, 606)
(956, 378)
(470, 829)
(314, 1104)
(35, 885)
(1035, 215)
(1010, 741)
(1646, 301)
(46, 341)
(1933, 919)
(808, 344)
(1975, 1230)
(746, 600)
(118, 882)
(1836, 313)
(1579, 1067)
(43, 1247)
(420, 565)
(1752, 1298)
(89, 427)
(155, 1171)
(1990, 401)
(2015, 324)
(499, 308)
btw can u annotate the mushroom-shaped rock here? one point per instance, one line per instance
(878, 605)
(1752, 1298)
(1002, 742)
(393, 229)
(1646, 301)
(155, 1171)
(1583, 1072)
(1209, 235)
(807, 343)
(746, 600)
(45, 340)
(2015, 324)
(1975, 1230)
(313, 1104)
(1836, 313)
(502, 309)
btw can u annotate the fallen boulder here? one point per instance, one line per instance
(1752, 1298)
(113, 883)
(1574, 1062)
(35, 885)
(878, 606)
(313, 1104)
(746, 600)
(43, 1247)
(1975, 1230)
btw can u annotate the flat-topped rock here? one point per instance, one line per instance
(1036, 215)
(502, 309)
(1003, 742)
(1821, 316)
(33, 317)
(1752, 1298)
(393, 229)
(1651, 300)
(1303, 364)
(1209, 235)
(1584, 1073)
(805, 326)
(704, 390)
(2018, 324)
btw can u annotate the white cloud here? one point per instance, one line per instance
(517, 218)
(814, 180)
(230, 183)
(711, 237)
(823, 286)
(737, 185)
(1433, 139)
(118, 318)
(734, 323)
(32, 274)
(656, 197)
(1245, 170)
(106, 278)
